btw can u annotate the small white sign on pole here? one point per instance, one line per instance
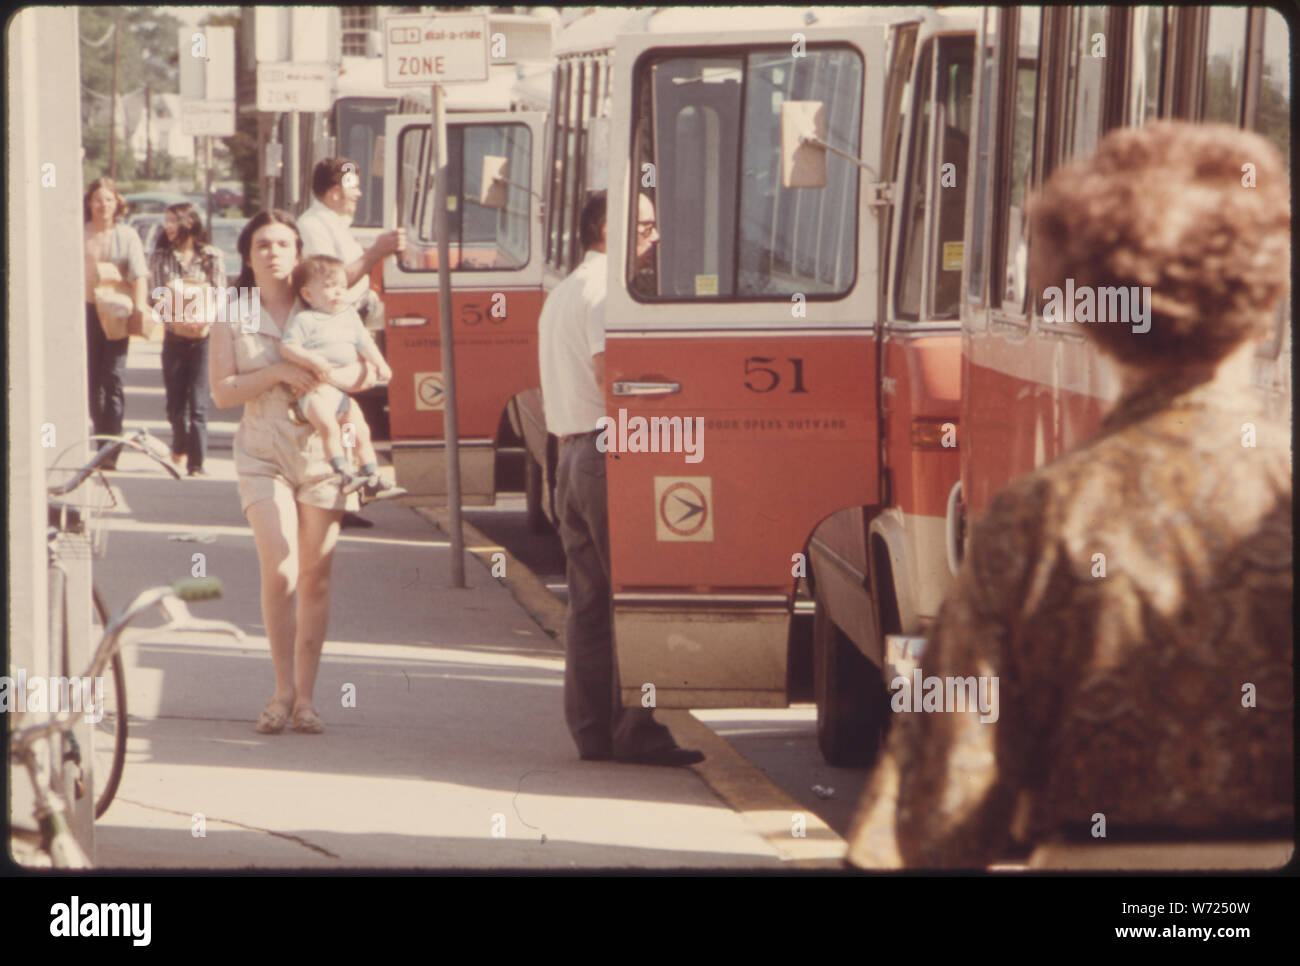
(207, 81)
(295, 87)
(202, 118)
(423, 49)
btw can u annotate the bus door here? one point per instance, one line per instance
(496, 273)
(921, 338)
(740, 350)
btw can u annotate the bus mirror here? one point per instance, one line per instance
(496, 175)
(802, 165)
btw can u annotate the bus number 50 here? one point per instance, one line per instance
(773, 377)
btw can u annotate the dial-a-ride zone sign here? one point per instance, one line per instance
(420, 50)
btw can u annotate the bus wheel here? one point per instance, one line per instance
(537, 521)
(852, 702)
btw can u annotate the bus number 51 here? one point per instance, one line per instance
(772, 375)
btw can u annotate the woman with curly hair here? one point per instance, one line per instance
(184, 266)
(1151, 694)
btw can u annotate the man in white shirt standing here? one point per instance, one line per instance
(325, 230)
(571, 343)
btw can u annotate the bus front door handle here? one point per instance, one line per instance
(622, 388)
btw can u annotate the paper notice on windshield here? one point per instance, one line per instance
(706, 285)
(952, 255)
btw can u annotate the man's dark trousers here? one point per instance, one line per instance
(593, 709)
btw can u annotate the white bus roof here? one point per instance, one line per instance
(597, 31)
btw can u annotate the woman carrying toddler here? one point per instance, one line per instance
(326, 334)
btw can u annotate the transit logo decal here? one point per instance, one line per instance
(684, 508)
(428, 390)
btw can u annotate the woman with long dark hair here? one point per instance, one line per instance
(113, 255)
(287, 489)
(182, 267)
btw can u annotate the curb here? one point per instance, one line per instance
(739, 783)
(542, 606)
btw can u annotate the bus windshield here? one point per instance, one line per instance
(359, 129)
(480, 239)
(708, 143)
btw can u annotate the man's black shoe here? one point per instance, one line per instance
(672, 757)
(352, 520)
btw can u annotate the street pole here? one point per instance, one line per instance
(272, 199)
(148, 132)
(208, 180)
(438, 164)
(112, 116)
(291, 167)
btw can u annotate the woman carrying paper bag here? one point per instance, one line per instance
(187, 276)
(117, 279)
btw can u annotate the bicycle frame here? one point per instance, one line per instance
(51, 805)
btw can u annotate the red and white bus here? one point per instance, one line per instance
(1033, 391)
(812, 332)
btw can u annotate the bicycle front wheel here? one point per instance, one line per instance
(109, 741)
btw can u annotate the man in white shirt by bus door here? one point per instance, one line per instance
(325, 225)
(571, 343)
(325, 230)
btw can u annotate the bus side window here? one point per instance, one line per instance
(1273, 113)
(903, 45)
(977, 257)
(1147, 29)
(572, 176)
(1273, 120)
(1225, 58)
(912, 227)
(1015, 163)
(953, 104)
(1085, 79)
(943, 165)
(552, 165)
(557, 200)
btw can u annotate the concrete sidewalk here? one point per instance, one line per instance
(455, 754)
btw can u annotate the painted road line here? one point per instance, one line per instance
(741, 784)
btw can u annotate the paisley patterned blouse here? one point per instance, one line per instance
(1134, 599)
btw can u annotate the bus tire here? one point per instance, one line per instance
(537, 522)
(852, 702)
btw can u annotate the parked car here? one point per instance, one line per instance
(223, 198)
(153, 202)
(147, 225)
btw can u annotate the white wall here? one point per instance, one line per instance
(45, 333)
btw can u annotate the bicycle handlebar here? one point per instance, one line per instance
(138, 440)
(171, 599)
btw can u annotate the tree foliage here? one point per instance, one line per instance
(146, 55)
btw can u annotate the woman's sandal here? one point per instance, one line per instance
(307, 722)
(272, 719)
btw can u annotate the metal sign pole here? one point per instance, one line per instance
(438, 145)
(207, 185)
